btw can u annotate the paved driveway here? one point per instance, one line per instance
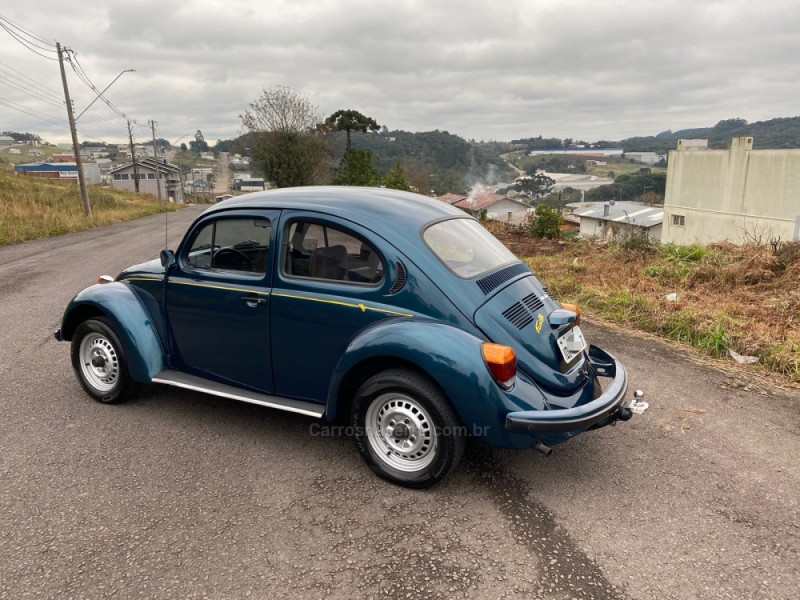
(181, 495)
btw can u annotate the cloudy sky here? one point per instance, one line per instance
(481, 69)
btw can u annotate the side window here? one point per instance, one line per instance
(240, 245)
(326, 252)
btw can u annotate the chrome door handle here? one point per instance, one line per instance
(253, 302)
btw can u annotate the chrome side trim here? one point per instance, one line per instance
(199, 384)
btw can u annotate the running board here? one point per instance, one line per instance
(199, 384)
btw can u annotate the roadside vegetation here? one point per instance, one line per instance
(718, 299)
(32, 208)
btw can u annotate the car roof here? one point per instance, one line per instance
(390, 213)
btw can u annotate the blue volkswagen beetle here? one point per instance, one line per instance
(394, 311)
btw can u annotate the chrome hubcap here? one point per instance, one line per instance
(99, 362)
(401, 432)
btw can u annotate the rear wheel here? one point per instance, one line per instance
(99, 361)
(406, 430)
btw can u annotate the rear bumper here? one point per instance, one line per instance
(602, 411)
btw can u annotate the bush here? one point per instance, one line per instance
(547, 223)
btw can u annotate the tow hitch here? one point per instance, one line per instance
(637, 406)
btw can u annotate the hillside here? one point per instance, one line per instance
(33, 208)
(444, 161)
(775, 133)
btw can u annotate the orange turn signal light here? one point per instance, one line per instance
(574, 308)
(501, 362)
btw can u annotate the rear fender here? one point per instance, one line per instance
(450, 356)
(118, 303)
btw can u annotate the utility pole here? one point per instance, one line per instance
(87, 207)
(133, 158)
(155, 154)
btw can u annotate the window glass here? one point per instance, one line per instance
(325, 252)
(232, 245)
(466, 247)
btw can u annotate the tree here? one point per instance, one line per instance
(396, 178)
(183, 147)
(358, 168)
(287, 143)
(199, 144)
(350, 120)
(536, 185)
(547, 223)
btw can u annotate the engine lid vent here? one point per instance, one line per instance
(494, 280)
(533, 302)
(518, 315)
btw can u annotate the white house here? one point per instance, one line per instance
(611, 219)
(123, 178)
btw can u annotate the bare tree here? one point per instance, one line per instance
(289, 144)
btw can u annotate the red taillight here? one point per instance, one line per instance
(501, 362)
(574, 308)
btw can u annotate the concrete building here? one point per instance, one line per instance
(122, 178)
(63, 171)
(595, 152)
(612, 219)
(736, 195)
(647, 158)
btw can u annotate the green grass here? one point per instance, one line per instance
(32, 208)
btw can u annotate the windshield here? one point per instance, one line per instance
(466, 248)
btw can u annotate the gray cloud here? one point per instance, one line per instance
(482, 70)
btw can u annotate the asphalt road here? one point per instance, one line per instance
(181, 495)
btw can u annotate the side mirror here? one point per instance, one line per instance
(167, 258)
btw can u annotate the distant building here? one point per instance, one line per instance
(65, 158)
(647, 158)
(63, 171)
(122, 178)
(598, 152)
(251, 184)
(498, 207)
(14, 151)
(736, 195)
(35, 152)
(7, 140)
(612, 219)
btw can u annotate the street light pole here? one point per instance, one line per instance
(100, 95)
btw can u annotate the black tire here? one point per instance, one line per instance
(96, 337)
(431, 438)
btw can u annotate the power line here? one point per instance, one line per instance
(30, 91)
(72, 57)
(28, 32)
(33, 82)
(27, 44)
(31, 112)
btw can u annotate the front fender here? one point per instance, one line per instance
(452, 358)
(136, 330)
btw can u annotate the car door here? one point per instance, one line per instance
(218, 296)
(329, 284)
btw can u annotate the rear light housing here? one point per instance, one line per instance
(574, 308)
(501, 362)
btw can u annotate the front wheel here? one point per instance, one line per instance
(406, 430)
(100, 364)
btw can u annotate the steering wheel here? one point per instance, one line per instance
(244, 259)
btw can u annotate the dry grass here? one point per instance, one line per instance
(740, 298)
(32, 208)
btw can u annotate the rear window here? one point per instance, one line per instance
(466, 248)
